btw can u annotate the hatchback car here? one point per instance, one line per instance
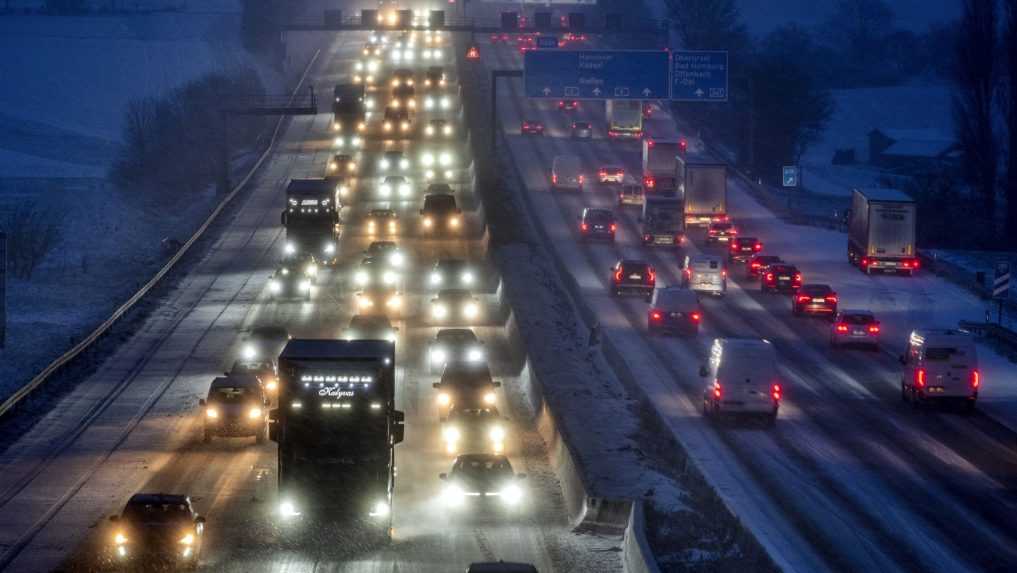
(379, 299)
(293, 279)
(815, 299)
(855, 327)
(674, 310)
(705, 274)
(236, 407)
(582, 130)
(597, 224)
(157, 528)
(743, 248)
(465, 385)
(376, 271)
(611, 174)
(759, 263)
(452, 273)
(454, 346)
(434, 77)
(720, 232)
(780, 277)
(387, 251)
(396, 120)
(455, 305)
(531, 127)
(482, 481)
(342, 164)
(633, 276)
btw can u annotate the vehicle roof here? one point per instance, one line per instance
(238, 380)
(382, 213)
(773, 258)
(816, 287)
(454, 293)
(578, 123)
(941, 337)
(744, 239)
(853, 311)
(439, 188)
(883, 194)
(783, 265)
(455, 333)
(699, 158)
(321, 348)
(370, 320)
(674, 296)
(598, 211)
(462, 372)
(382, 245)
(310, 185)
(393, 153)
(481, 458)
(395, 178)
(159, 499)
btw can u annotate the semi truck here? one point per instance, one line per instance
(337, 427)
(311, 219)
(624, 119)
(660, 158)
(662, 221)
(881, 231)
(702, 183)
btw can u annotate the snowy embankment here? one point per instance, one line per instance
(67, 81)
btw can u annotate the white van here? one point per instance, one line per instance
(567, 173)
(940, 364)
(705, 273)
(630, 192)
(742, 378)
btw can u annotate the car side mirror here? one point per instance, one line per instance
(497, 384)
(521, 476)
(436, 385)
(703, 371)
(443, 476)
(200, 520)
(114, 518)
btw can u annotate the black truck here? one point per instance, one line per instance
(348, 108)
(311, 219)
(337, 427)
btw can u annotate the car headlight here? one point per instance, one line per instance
(404, 189)
(384, 189)
(211, 413)
(274, 286)
(436, 278)
(447, 130)
(438, 356)
(305, 285)
(428, 103)
(444, 399)
(119, 538)
(395, 259)
(392, 228)
(451, 434)
(467, 278)
(445, 103)
(427, 159)
(394, 301)
(445, 159)
(187, 539)
(288, 509)
(454, 495)
(365, 301)
(254, 413)
(439, 311)
(371, 226)
(489, 398)
(249, 352)
(290, 248)
(272, 385)
(511, 494)
(312, 269)
(428, 222)
(355, 141)
(339, 142)
(474, 355)
(453, 222)
(380, 509)
(429, 130)
(497, 434)
(470, 310)
(404, 163)
(383, 164)
(361, 278)
(405, 125)
(359, 66)
(388, 277)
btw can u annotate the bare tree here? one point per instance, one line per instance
(1010, 108)
(708, 24)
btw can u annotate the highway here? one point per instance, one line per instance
(850, 479)
(134, 425)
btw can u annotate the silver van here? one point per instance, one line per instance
(567, 173)
(940, 364)
(742, 378)
(630, 192)
(705, 273)
(674, 310)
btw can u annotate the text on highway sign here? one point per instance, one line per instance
(699, 75)
(596, 74)
(790, 176)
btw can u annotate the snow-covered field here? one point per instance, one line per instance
(762, 16)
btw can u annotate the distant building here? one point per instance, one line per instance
(912, 151)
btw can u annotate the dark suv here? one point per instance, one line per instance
(742, 248)
(236, 407)
(632, 276)
(440, 213)
(157, 527)
(597, 224)
(815, 299)
(780, 277)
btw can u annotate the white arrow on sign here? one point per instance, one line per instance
(699, 92)
(596, 91)
(547, 91)
(647, 92)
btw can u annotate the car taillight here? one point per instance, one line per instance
(757, 247)
(723, 274)
(716, 390)
(755, 265)
(734, 246)
(775, 391)
(651, 276)
(865, 261)
(554, 178)
(602, 173)
(873, 329)
(526, 125)
(656, 315)
(832, 299)
(618, 276)
(804, 298)
(614, 227)
(584, 227)
(798, 277)
(769, 277)
(647, 237)
(842, 328)
(581, 178)
(976, 379)
(649, 182)
(920, 377)
(696, 317)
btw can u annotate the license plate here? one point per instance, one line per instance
(784, 279)
(859, 333)
(598, 228)
(722, 239)
(636, 277)
(818, 300)
(663, 240)
(676, 315)
(934, 389)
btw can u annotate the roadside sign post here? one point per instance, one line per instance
(790, 176)
(699, 75)
(1001, 287)
(596, 74)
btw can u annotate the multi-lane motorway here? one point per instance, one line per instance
(134, 425)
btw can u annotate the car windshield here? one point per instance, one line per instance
(782, 269)
(454, 294)
(599, 216)
(857, 319)
(157, 513)
(382, 213)
(942, 354)
(451, 265)
(369, 322)
(746, 241)
(721, 226)
(230, 395)
(456, 336)
(631, 267)
(480, 468)
(816, 290)
(442, 202)
(709, 264)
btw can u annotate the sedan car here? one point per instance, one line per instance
(582, 130)
(437, 102)
(379, 299)
(293, 279)
(454, 346)
(395, 186)
(597, 224)
(342, 164)
(393, 160)
(156, 528)
(376, 271)
(439, 128)
(815, 299)
(236, 407)
(474, 430)
(388, 251)
(482, 481)
(531, 127)
(370, 327)
(568, 105)
(855, 327)
(611, 174)
(452, 273)
(455, 305)
(434, 77)
(440, 214)
(382, 222)
(465, 385)
(720, 232)
(780, 277)
(757, 264)
(743, 248)
(633, 276)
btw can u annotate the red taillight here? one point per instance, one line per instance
(775, 391)
(716, 390)
(842, 328)
(757, 247)
(683, 145)
(554, 178)
(769, 277)
(614, 227)
(865, 261)
(602, 172)
(561, 104)
(655, 315)
(734, 246)
(584, 227)
(804, 298)
(526, 125)
(696, 317)
(756, 265)
(832, 299)
(920, 377)
(581, 178)
(723, 273)
(649, 182)
(915, 264)
(618, 276)
(976, 379)
(651, 276)
(873, 329)
(649, 143)
(798, 277)
(647, 237)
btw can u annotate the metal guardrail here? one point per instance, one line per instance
(64, 359)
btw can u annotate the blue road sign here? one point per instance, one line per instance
(547, 42)
(790, 176)
(699, 75)
(596, 74)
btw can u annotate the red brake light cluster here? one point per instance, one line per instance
(832, 298)
(618, 276)
(920, 377)
(804, 298)
(656, 315)
(873, 329)
(696, 317)
(651, 276)
(769, 277)
(976, 379)
(584, 227)
(649, 182)
(716, 390)
(842, 328)
(757, 247)
(614, 227)
(775, 391)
